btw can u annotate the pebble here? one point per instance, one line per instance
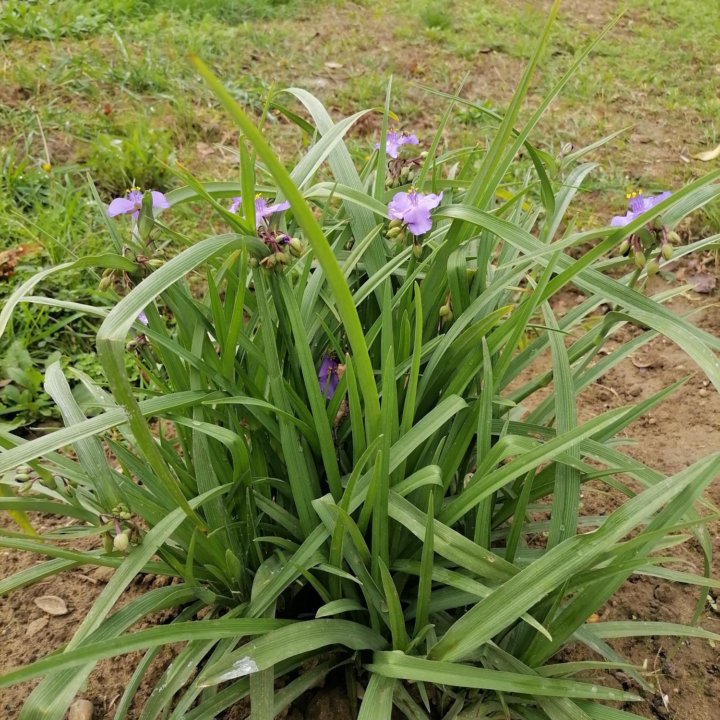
(703, 393)
(81, 710)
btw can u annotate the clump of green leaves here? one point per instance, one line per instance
(22, 399)
(386, 531)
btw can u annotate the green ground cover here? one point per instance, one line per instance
(104, 90)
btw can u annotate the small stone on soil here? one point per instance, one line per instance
(81, 710)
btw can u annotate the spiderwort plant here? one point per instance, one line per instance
(379, 516)
(282, 247)
(400, 170)
(394, 141)
(329, 375)
(262, 210)
(652, 236)
(410, 211)
(132, 203)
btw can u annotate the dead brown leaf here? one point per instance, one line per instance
(708, 155)
(36, 626)
(52, 605)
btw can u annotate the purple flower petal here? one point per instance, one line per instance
(263, 210)
(413, 209)
(159, 201)
(328, 377)
(132, 204)
(236, 202)
(418, 220)
(409, 140)
(121, 206)
(638, 204)
(429, 201)
(622, 220)
(142, 318)
(393, 142)
(399, 205)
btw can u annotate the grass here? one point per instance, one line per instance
(106, 89)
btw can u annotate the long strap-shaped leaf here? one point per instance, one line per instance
(40, 447)
(162, 635)
(534, 582)
(321, 247)
(395, 664)
(695, 342)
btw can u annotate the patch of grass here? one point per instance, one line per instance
(436, 15)
(106, 88)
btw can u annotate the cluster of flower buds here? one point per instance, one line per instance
(121, 511)
(122, 536)
(654, 236)
(24, 479)
(653, 240)
(396, 231)
(283, 248)
(403, 171)
(144, 266)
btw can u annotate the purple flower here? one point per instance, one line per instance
(328, 376)
(638, 204)
(131, 204)
(413, 209)
(142, 318)
(393, 142)
(262, 209)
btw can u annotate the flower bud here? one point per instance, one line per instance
(395, 223)
(48, 482)
(667, 251)
(393, 232)
(155, 263)
(674, 238)
(121, 542)
(104, 283)
(21, 477)
(652, 267)
(296, 246)
(640, 259)
(107, 272)
(282, 258)
(253, 262)
(624, 247)
(417, 250)
(121, 511)
(269, 262)
(446, 313)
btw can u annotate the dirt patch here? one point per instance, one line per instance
(27, 633)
